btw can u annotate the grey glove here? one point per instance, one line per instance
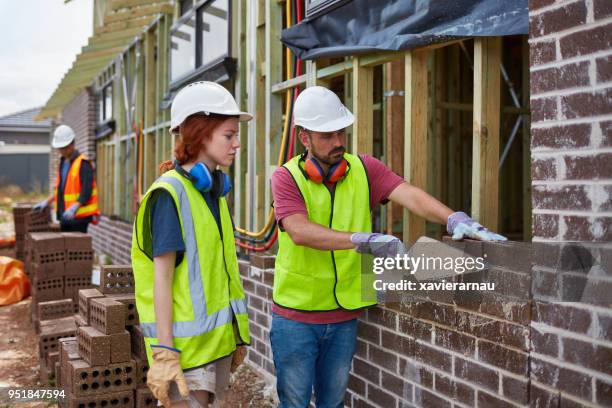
(460, 226)
(379, 245)
(71, 212)
(38, 207)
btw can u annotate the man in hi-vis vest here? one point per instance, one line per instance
(323, 200)
(75, 195)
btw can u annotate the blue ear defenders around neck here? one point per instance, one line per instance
(217, 182)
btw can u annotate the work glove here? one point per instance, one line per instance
(379, 245)
(71, 212)
(238, 357)
(38, 207)
(166, 368)
(460, 226)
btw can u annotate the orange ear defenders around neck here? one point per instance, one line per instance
(314, 172)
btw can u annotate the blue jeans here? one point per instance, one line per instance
(312, 354)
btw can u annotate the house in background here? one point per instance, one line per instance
(24, 151)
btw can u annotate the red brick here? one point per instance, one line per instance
(357, 385)
(545, 225)
(432, 357)
(368, 332)
(516, 390)
(603, 392)
(543, 109)
(400, 344)
(455, 341)
(477, 374)
(585, 42)
(493, 330)
(561, 137)
(541, 397)
(604, 68)
(545, 343)
(486, 400)
(382, 317)
(536, 4)
(563, 77)
(435, 312)
(415, 328)
(417, 373)
(558, 19)
(602, 9)
(380, 397)
(570, 381)
(424, 398)
(563, 316)
(366, 370)
(144, 399)
(542, 52)
(587, 228)
(94, 346)
(586, 104)
(543, 169)
(502, 357)
(589, 355)
(107, 315)
(454, 390)
(382, 358)
(569, 197)
(120, 350)
(262, 261)
(396, 385)
(591, 167)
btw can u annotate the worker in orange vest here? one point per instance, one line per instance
(75, 195)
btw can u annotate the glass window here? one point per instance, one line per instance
(182, 49)
(215, 31)
(108, 102)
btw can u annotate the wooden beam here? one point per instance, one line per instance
(363, 99)
(394, 87)
(485, 148)
(415, 132)
(335, 70)
(290, 83)
(136, 12)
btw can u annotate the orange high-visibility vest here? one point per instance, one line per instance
(72, 190)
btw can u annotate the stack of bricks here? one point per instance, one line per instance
(59, 265)
(56, 322)
(26, 220)
(105, 364)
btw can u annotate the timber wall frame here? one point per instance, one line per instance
(261, 85)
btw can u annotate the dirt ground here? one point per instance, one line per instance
(19, 363)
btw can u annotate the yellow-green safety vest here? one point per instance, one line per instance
(314, 280)
(207, 295)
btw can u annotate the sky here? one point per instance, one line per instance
(39, 40)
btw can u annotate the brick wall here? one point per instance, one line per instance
(80, 115)
(113, 238)
(571, 105)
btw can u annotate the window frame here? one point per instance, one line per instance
(201, 69)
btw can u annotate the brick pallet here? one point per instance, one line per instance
(103, 364)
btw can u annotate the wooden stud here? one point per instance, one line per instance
(485, 180)
(363, 99)
(526, 140)
(415, 132)
(394, 86)
(262, 141)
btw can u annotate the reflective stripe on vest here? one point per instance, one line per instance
(202, 322)
(315, 280)
(72, 190)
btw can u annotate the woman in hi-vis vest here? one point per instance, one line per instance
(189, 297)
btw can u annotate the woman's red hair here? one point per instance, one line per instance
(194, 132)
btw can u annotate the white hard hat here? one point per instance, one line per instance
(320, 110)
(62, 137)
(204, 97)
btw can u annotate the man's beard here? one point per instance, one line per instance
(328, 160)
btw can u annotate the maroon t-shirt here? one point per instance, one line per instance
(288, 201)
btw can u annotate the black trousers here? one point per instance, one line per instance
(75, 225)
